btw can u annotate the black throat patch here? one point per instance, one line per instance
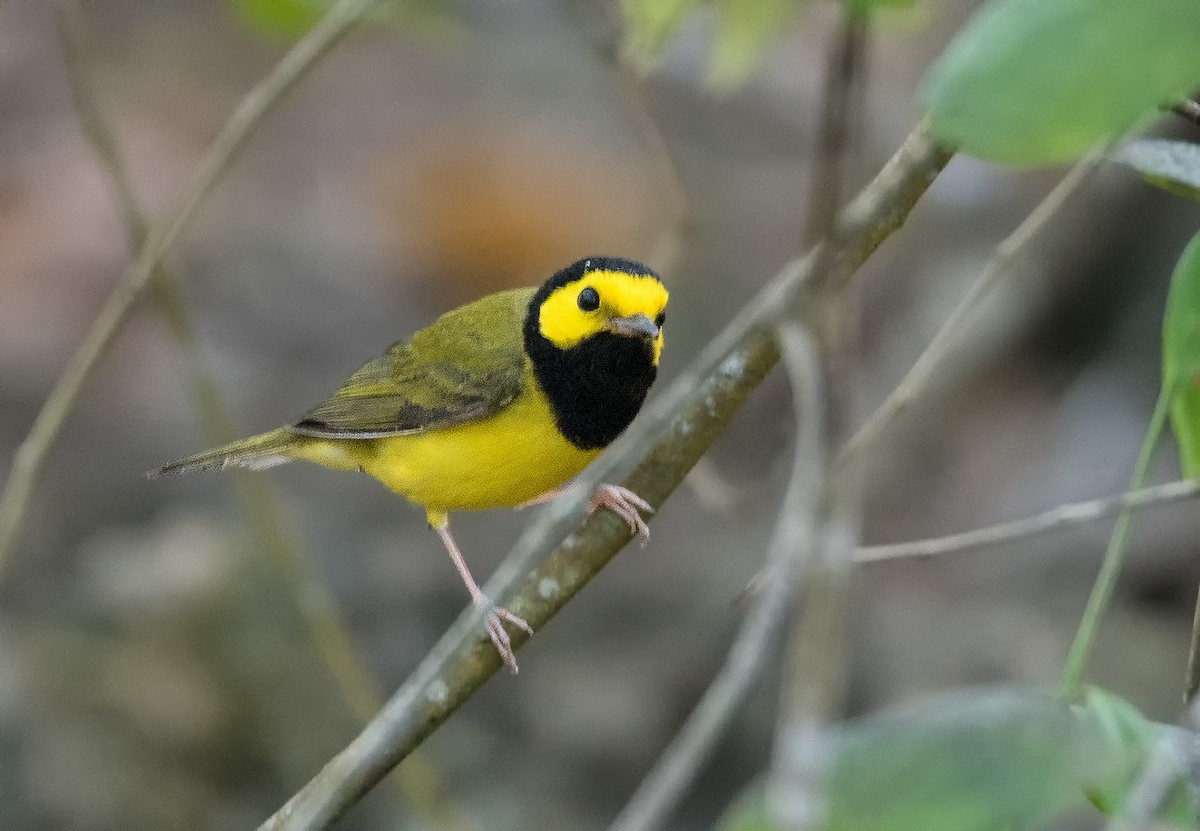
(596, 387)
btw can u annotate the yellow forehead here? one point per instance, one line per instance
(621, 295)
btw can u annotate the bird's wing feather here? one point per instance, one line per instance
(466, 366)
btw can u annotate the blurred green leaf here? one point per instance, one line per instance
(650, 24)
(1172, 165)
(1181, 356)
(292, 19)
(863, 8)
(280, 18)
(979, 761)
(745, 29)
(1126, 738)
(1032, 82)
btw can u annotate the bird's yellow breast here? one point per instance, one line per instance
(497, 462)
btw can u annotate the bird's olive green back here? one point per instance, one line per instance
(465, 366)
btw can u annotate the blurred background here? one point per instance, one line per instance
(155, 669)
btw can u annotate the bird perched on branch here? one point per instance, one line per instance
(498, 403)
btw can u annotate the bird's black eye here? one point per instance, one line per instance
(660, 320)
(589, 299)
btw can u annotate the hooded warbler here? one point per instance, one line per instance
(498, 403)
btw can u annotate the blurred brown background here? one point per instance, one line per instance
(154, 672)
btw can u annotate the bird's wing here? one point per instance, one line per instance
(467, 365)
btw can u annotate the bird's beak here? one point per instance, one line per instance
(637, 326)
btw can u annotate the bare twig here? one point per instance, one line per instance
(684, 421)
(791, 545)
(919, 376)
(32, 452)
(1056, 519)
(837, 139)
(317, 607)
(814, 661)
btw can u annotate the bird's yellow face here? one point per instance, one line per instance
(633, 305)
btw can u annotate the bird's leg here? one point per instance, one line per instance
(620, 500)
(493, 615)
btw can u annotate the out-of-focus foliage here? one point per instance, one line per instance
(746, 28)
(650, 25)
(1029, 82)
(980, 761)
(1172, 165)
(743, 30)
(863, 8)
(292, 19)
(1181, 356)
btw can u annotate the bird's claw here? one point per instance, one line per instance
(626, 504)
(493, 621)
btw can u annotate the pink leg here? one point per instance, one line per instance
(493, 615)
(626, 504)
(620, 500)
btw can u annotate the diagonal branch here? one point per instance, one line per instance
(678, 428)
(32, 452)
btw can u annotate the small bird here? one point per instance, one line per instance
(498, 404)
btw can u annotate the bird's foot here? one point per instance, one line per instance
(493, 621)
(626, 504)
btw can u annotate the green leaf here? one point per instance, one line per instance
(1172, 165)
(1127, 739)
(1033, 82)
(650, 24)
(745, 29)
(292, 19)
(979, 761)
(1181, 356)
(289, 19)
(862, 8)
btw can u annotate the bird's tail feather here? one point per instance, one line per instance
(256, 453)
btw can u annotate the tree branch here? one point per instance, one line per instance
(678, 427)
(1056, 519)
(32, 452)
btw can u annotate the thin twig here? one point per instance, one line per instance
(32, 452)
(916, 381)
(836, 138)
(814, 661)
(678, 427)
(318, 609)
(760, 631)
(1056, 519)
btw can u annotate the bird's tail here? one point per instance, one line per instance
(256, 453)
